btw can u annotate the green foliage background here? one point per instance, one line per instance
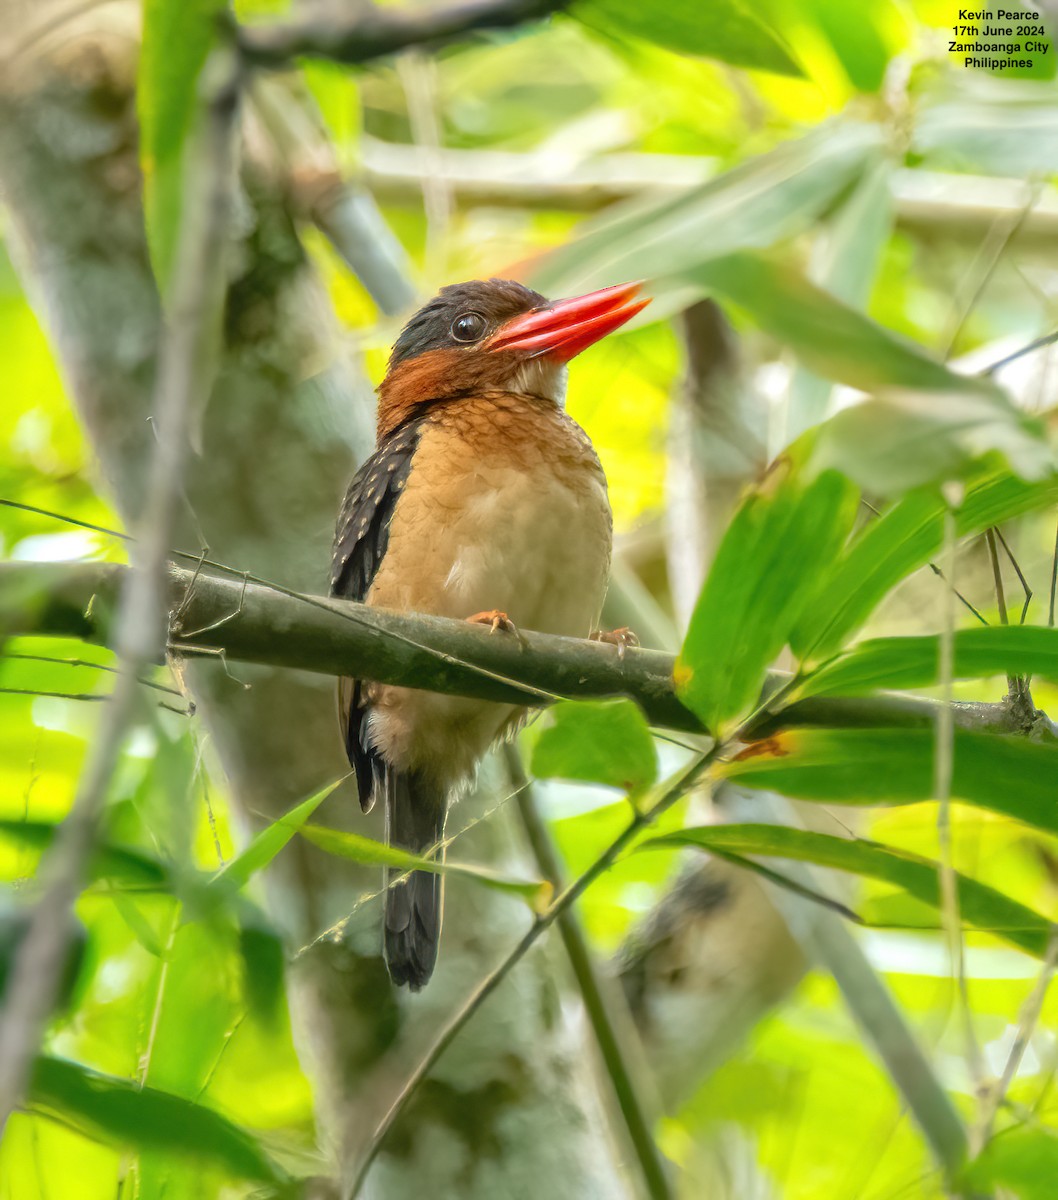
(809, 122)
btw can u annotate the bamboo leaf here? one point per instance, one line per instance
(756, 204)
(1004, 773)
(764, 572)
(732, 34)
(368, 852)
(599, 741)
(119, 865)
(980, 905)
(267, 844)
(177, 36)
(903, 539)
(124, 1113)
(913, 662)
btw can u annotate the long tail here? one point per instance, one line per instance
(415, 820)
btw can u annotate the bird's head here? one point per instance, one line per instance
(495, 335)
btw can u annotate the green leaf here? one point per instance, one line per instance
(122, 1112)
(925, 422)
(599, 741)
(731, 34)
(1004, 773)
(903, 539)
(177, 36)
(1024, 1158)
(784, 532)
(119, 865)
(368, 852)
(267, 844)
(912, 662)
(845, 259)
(756, 204)
(979, 905)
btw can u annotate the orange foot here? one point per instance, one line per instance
(495, 619)
(621, 638)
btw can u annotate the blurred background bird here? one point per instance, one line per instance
(483, 500)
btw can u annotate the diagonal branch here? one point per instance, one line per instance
(372, 32)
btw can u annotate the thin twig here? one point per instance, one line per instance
(943, 759)
(85, 696)
(1053, 581)
(184, 373)
(1036, 344)
(628, 1086)
(1019, 573)
(84, 662)
(1027, 1022)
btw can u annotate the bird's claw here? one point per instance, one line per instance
(621, 638)
(495, 620)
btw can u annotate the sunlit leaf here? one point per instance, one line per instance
(368, 852)
(1024, 1158)
(732, 33)
(764, 571)
(912, 662)
(177, 35)
(756, 204)
(903, 539)
(1005, 773)
(122, 1112)
(268, 843)
(979, 905)
(599, 741)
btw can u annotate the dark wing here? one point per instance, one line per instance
(359, 547)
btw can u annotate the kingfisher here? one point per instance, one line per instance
(485, 501)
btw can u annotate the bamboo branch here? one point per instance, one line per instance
(256, 621)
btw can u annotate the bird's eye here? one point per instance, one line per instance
(469, 327)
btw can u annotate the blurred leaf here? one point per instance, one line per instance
(913, 662)
(177, 36)
(1005, 773)
(599, 741)
(261, 950)
(784, 533)
(1024, 1158)
(14, 925)
(117, 864)
(122, 1112)
(143, 931)
(903, 539)
(268, 843)
(364, 850)
(854, 32)
(731, 34)
(755, 204)
(1012, 133)
(979, 905)
(900, 441)
(926, 424)
(845, 260)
